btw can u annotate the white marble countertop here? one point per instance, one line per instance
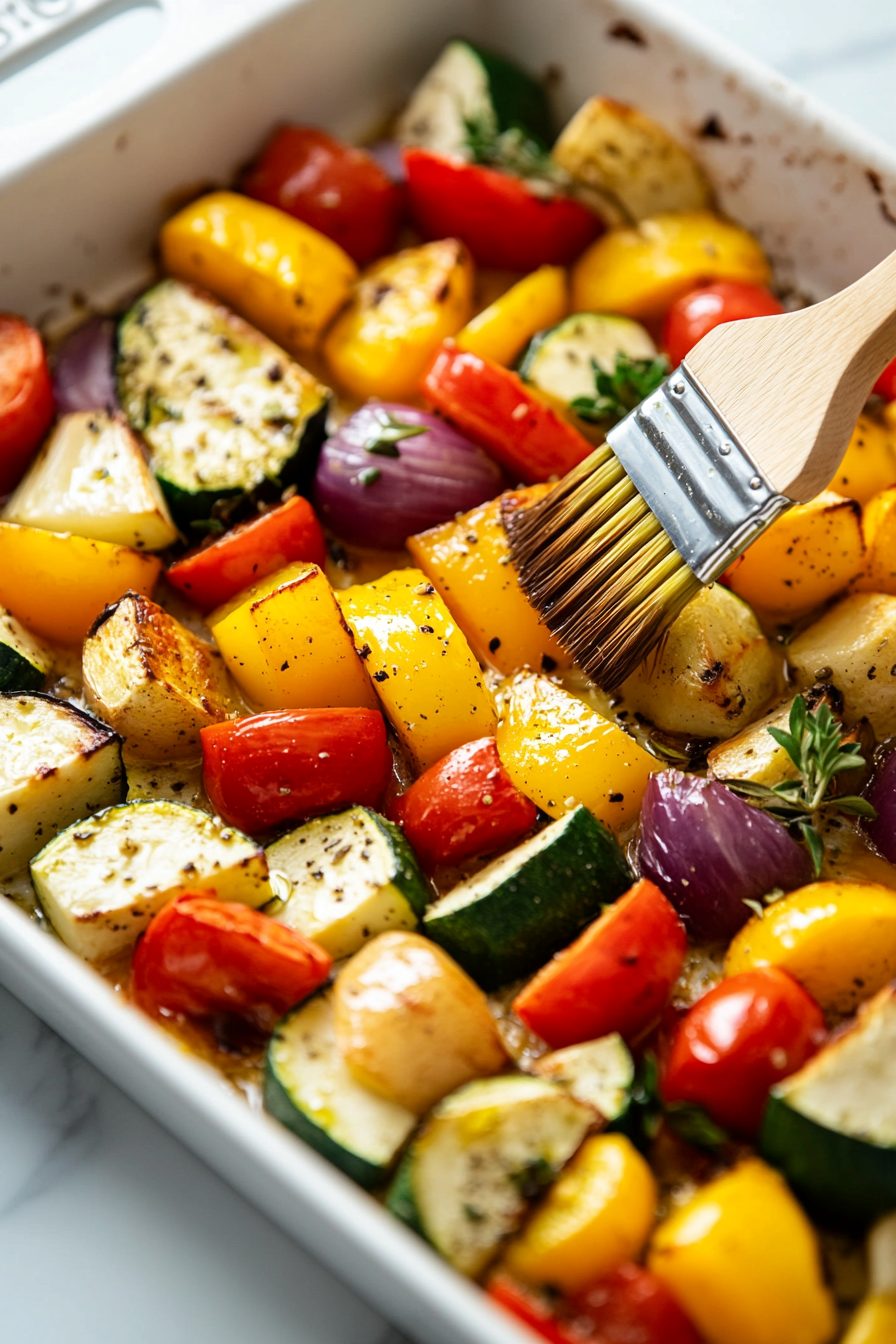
(109, 1229)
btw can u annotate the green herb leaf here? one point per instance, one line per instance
(756, 906)
(510, 151)
(621, 391)
(815, 746)
(692, 1123)
(368, 475)
(390, 433)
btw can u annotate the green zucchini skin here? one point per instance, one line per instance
(278, 1104)
(17, 673)
(309, 1089)
(531, 903)
(400, 1199)
(839, 1178)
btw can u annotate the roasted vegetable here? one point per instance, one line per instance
(561, 753)
(101, 881)
(402, 308)
(57, 765)
(428, 682)
(640, 272)
(468, 562)
(500, 331)
(153, 680)
(223, 409)
(91, 478)
(703, 309)
(410, 1025)
(287, 645)
(615, 149)
(838, 939)
(57, 584)
(24, 662)
(852, 646)
(26, 397)
(281, 275)
(870, 462)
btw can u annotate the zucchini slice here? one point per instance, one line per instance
(558, 361)
(465, 1181)
(101, 881)
(57, 764)
(153, 680)
(222, 408)
(24, 663)
(599, 1073)
(91, 478)
(472, 88)
(831, 1127)
(351, 876)
(515, 914)
(308, 1088)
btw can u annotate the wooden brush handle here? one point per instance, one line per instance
(791, 387)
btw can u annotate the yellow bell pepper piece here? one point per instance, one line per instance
(869, 464)
(743, 1260)
(57, 584)
(561, 753)
(502, 329)
(280, 274)
(874, 1321)
(641, 271)
(468, 561)
(595, 1217)
(805, 558)
(837, 938)
(287, 646)
(879, 531)
(429, 684)
(403, 308)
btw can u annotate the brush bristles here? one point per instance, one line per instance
(597, 565)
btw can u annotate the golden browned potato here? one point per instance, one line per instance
(410, 1024)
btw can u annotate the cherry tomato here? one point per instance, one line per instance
(493, 406)
(337, 189)
(629, 1306)
(500, 218)
(26, 398)
(463, 805)
(616, 977)
(696, 313)
(263, 771)
(886, 383)
(201, 956)
(740, 1039)
(250, 552)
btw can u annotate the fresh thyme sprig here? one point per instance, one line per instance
(815, 746)
(617, 393)
(512, 151)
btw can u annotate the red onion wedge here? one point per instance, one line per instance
(708, 852)
(83, 371)
(882, 796)
(392, 470)
(389, 157)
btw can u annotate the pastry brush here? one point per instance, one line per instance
(756, 418)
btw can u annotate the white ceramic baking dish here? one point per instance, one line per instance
(178, 97)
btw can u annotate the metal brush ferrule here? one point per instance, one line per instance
(695, 475)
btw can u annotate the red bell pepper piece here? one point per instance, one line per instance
(886, 383)
(629, 1306)
(201, 956)
(269, 769)
(26, 398)
(500, 218)
(616, 977)
(250, 552)
(699, 311)
(494, 406)
(339, 190)
(740, 1039)
(463, 805)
